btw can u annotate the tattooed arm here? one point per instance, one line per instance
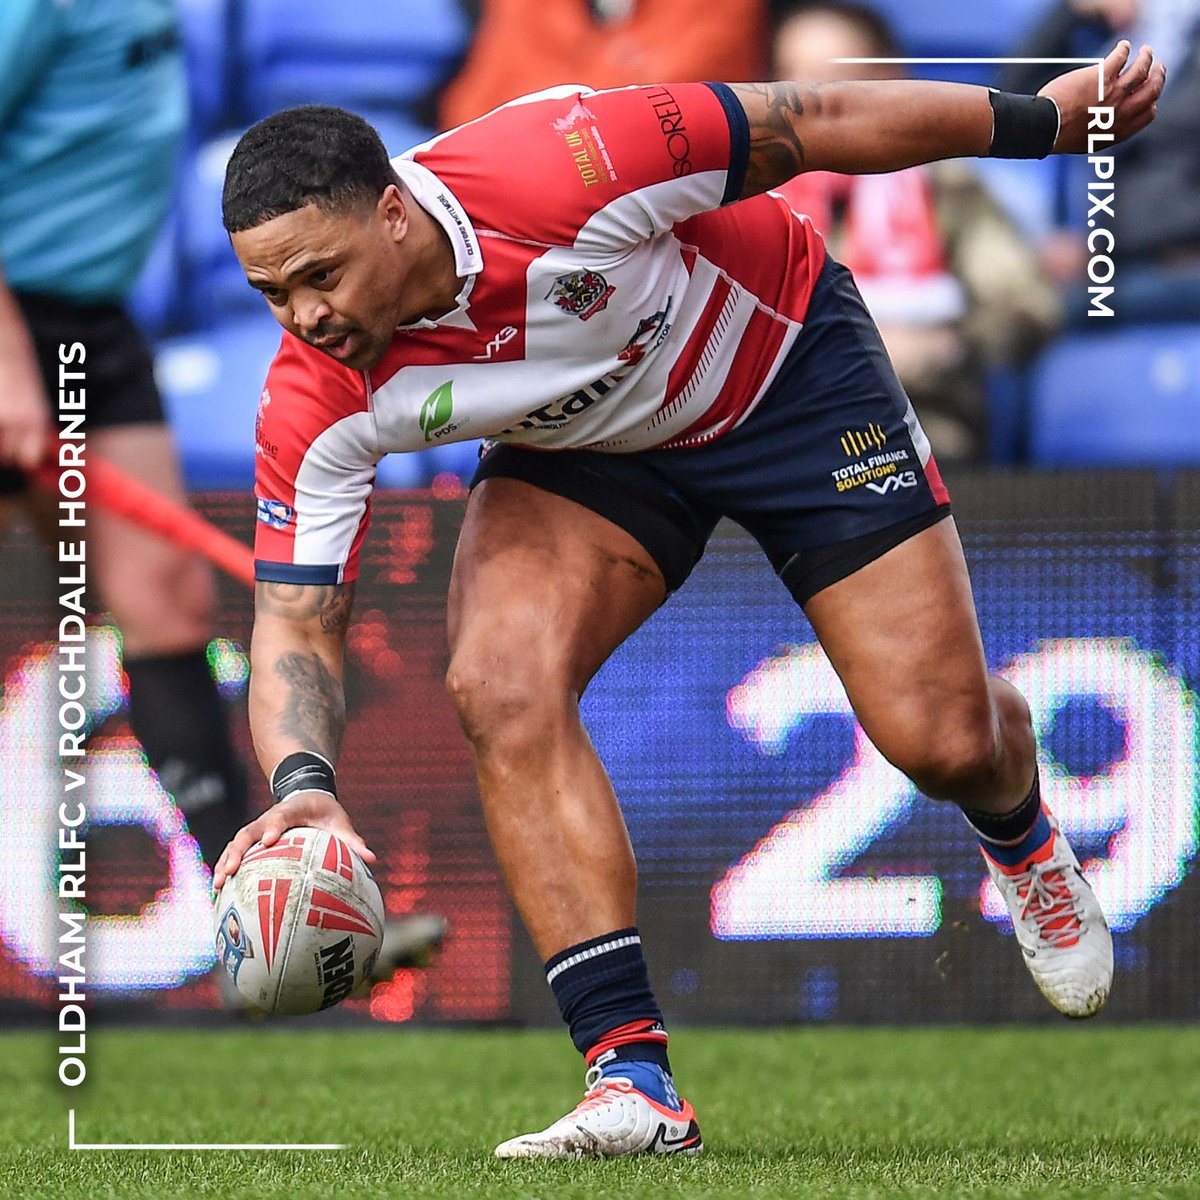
(858, 127)
(866, 127)
(296, 703)
(296, 700)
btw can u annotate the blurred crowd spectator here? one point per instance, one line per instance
(948, 257)
(1156, 220)
(522, 46)
(951, 282)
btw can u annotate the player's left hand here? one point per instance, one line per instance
(1131, 89)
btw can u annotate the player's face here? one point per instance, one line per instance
(341, 281)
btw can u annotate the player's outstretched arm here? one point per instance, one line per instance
(866, 127)
(297, 708)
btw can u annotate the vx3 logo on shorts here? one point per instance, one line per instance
(497, 343)
(893, 483)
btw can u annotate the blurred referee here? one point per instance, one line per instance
(93, 104)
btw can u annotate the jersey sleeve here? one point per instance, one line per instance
(597, 170)
(315, 456)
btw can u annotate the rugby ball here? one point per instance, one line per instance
(299, 926)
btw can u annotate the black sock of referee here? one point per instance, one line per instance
(176, 712)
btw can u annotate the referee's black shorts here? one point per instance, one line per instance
(119, 368)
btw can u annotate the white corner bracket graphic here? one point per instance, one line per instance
(72, 1144)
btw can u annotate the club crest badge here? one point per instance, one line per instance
(582, 294)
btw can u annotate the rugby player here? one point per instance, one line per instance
(603, 286)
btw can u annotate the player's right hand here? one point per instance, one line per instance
(25, 427)
(316, 809)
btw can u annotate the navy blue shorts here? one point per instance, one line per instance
(829, 472)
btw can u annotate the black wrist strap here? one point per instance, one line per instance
(1022, 126)
(304, 771)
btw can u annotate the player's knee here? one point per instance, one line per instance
(961, 748)
(950, 763)
(502, 699)
(974, 772)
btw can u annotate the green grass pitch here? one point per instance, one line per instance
(1054, 1111)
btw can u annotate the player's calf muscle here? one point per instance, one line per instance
(978, 752)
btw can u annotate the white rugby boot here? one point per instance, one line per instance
(1059, 925)
(611, 1120)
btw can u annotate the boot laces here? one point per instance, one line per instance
(1047, 901)
(597, 1086)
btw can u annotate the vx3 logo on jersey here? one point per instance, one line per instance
(893, 483)
(497, 343)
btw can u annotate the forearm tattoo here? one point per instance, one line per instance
(314, 705)
(774, 111)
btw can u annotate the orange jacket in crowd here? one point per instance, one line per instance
(523, 46)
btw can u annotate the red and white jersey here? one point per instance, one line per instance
(609, 301)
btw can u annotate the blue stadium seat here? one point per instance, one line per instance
(216, 289)
(206, 32)
(369, 57)
(398, 133)
(1007, 416)
(211, 382)
(1119, 397)
(154, 301)
(945, 28)
(419, 469)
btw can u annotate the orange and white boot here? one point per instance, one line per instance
(1059, 925)
(612, 1119)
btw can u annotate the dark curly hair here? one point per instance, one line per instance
(309, 155)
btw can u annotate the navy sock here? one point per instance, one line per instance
(1012, 837)
(603, 991)
(176, 712)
